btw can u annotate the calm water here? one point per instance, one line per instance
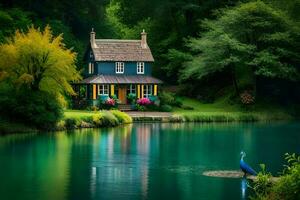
(140, 161)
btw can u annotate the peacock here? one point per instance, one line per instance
(245, 167)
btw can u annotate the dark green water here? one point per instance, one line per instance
(140, 161)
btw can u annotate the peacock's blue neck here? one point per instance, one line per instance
(242, 158)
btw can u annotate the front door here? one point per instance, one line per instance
(122, 94)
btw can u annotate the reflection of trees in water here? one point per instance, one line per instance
(120, 168)
(37, 163)
(15, 138)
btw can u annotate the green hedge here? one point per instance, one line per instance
(122, 117)
(100, 119)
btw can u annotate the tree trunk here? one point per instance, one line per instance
(234, 81)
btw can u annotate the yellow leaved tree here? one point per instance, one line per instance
(38, 61)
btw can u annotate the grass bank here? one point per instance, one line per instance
(221, 111)
(74, 119)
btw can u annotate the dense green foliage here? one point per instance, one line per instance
(208, 48)
(37, 108)
(35, 73)
(288, 185)
(84, 119)
(122, 117)
(249, 41)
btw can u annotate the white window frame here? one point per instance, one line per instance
(103, 90)
(132, 88)
(140, 67)
(148, 90)
(91, 68)
(120, 67)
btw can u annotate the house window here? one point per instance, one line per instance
(147, 90)
(91, 68)
(102, 89)
(140, 68)
(131, 89)
(119, 67)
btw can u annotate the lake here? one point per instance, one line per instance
(140, 161)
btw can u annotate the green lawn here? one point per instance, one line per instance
(218, 106)
(222, 109)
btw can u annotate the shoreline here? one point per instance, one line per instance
(74, 123)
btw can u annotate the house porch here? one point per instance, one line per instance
(94, 92)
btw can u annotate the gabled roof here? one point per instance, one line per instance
(121, 50)
(121, 79)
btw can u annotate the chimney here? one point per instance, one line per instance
(144, 40)
(93, 38)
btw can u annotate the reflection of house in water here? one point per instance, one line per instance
(121, 159)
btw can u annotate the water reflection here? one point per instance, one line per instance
(244, 186)
(140, 161)
(123, 160)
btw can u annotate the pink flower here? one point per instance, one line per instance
(143, 101)
(110, 102)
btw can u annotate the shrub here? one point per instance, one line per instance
(288, 185)
(36, 108)
(108, 104)
(247, 98)
(131, 98)
(166, 108)
(143, 101)
(105, 119)
(122, 117)
(109, 119)
(140, 107)
(92, 108)
(70, 123)
(79, 103)
(97, 119)
(168, 98)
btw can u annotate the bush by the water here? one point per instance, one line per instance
(287, 187)
(105, 119)
(122, 117)
(99, 119)
(168, 98)
(36, 108)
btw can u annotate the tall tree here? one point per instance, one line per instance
(253, 36)
(39, 62)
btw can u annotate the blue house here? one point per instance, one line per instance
(118, 67)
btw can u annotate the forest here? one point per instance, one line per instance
(246, 50)
(193, 41)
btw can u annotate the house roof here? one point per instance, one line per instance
(121, 50)
(121, 79)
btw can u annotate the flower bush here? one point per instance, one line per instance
(143, 101)
(110, 102)
(131, 98)
(247, 98)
